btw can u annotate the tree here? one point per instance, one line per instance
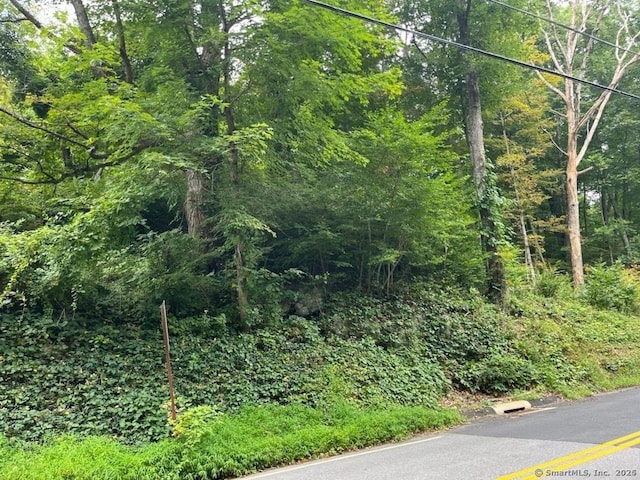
(468, 80)
(520, 142)
(572, 55)
(213, 83)
(612, 183)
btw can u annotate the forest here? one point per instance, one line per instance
(362, 216)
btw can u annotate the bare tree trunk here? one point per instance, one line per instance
(193, 202)
(585, 208)
(126, 63)
(604, 205)
(475, 138)
(538, 249)
(573, 226)
(528, 258)
(28, 15)
(625, 201)
(573, 205)
(195, 181)
(234, 168)
(83, 23)
(623, 233)
(241, 280)
(234, 163)
(489, 233)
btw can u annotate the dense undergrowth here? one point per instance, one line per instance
(365, 370)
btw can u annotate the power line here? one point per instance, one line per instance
(561, 25)
(468, 48)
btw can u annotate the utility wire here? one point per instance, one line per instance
(561, 25)
(468, 48)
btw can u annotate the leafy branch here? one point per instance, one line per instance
(31, 124)
(28, 16)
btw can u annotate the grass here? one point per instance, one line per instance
(223, 446)
(68, 458)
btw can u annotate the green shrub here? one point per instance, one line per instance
(551, 284)
(391, 323)
(60, 377)
(194, 425)
(460, 329)
(371, 375)
(445, 323)
(499, 373)
(609, 288)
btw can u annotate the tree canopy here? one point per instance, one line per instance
(239, 156)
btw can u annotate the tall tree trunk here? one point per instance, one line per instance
(538, 248)
(193, 202)
(475, 138)
(570, 54)
(241, 289)
(234, 163)
(604, 205)
(623, 232)
(122, 45)
(195, 180)
(528, 258)
(573, 223)
(489, 231)
(83, 23)
(585, 209)
(234, 167)
(573, 201)
(625, 201)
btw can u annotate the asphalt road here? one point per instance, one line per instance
(598, 437)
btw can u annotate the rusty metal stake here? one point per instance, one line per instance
(167, 356)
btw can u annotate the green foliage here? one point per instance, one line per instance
(258, 437)
(89, 248)
(373, 194)
(550, 284)
(448, 325)
(131, 282)
(194, 424)
(252, 439)
(498, 373)
(66, 457)
(462, 327)
(571, 343)
(357, 363)
(611, 288)
(334, 186)
(58, 376)
(68, 376)
(472, 340)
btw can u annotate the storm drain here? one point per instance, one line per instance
(511, 407)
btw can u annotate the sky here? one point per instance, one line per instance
(46, 10)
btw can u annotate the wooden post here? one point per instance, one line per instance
(167, 356)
